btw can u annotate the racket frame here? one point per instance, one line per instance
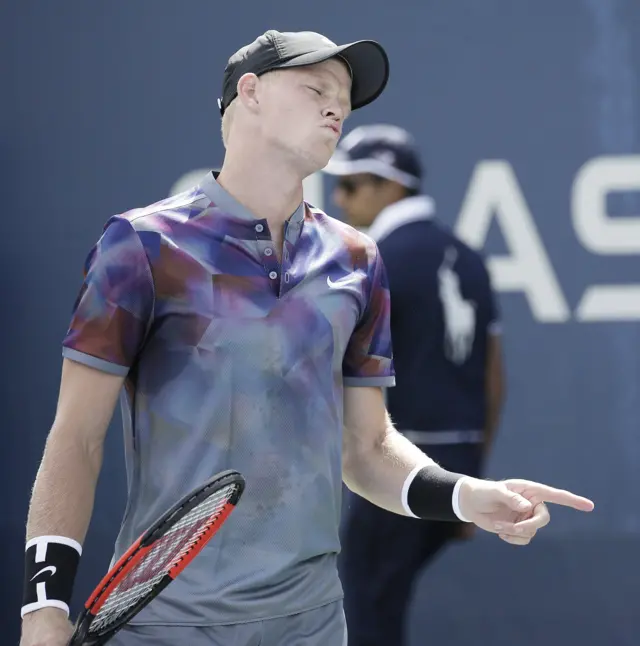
(143, 545)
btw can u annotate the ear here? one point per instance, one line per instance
(248, 91)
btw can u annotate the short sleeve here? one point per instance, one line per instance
(368, 360)
(114, 308)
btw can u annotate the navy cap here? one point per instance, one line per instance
(366, 59)
(382, 150)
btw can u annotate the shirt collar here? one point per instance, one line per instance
(396, 215)
(229, 206)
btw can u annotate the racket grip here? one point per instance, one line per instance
(80, 633)
(76, 640)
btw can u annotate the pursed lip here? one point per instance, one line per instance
(333, 126)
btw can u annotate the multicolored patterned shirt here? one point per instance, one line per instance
(234, 359)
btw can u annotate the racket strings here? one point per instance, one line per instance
(163, 555)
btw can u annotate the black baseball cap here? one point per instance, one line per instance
(366, 59)
(383, 150)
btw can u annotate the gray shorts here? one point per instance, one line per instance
(325, 626)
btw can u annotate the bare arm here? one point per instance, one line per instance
(495, 388)
(62, 499)
(63, 494)
(376, 458)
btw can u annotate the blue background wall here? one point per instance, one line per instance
(105, 105)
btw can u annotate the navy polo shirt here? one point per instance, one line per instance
(442, 312)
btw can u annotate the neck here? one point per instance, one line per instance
(261, 182)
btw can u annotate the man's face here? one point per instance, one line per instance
(361, 198)
(302, 111)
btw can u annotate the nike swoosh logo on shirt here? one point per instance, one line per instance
(342, 282)
(49, 568)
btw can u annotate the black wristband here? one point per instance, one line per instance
(430, 493)
(51, 563)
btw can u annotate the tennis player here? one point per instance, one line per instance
(245, 329)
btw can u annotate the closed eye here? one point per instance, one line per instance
(315, 89)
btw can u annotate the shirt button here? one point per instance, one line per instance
(273, 275)
(259, 228)
(268, 251)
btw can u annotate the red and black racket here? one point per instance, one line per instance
(157, 558)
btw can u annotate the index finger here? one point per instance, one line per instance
(561, 497)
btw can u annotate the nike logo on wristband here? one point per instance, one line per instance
(49, 568)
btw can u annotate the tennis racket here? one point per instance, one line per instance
(156, 558)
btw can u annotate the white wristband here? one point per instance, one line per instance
(405, 489)
(456, 500)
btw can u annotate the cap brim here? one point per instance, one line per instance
(337, 166)
(341, 165)
(369, 65)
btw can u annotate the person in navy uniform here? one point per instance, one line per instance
(445, 331)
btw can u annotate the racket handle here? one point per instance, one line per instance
(80, 633)
(76, 639)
